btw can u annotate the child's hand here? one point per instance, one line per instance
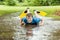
(41, 24)
(22, 23)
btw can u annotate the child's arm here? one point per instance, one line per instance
(21, 22)
(41, 22)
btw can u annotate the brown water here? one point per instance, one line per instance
(10, 29)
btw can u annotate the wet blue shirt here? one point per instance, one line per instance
(35, 21)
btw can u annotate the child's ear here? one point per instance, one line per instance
(38, 12)
(25, 11)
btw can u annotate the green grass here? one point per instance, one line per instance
(10, 9)
(56, 17)
(7, 10)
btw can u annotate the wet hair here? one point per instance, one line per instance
(29, 15)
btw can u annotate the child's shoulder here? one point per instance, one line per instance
(24, 18)
(36, 18)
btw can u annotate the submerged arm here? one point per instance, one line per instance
(21, 22)
(41, 22)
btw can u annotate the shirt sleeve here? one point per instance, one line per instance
(38, 20)
(24, 20)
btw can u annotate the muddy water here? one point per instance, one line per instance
(11, 30)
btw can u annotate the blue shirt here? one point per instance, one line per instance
(34, 21)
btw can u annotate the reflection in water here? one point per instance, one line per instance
(44, 32)
(49, 31)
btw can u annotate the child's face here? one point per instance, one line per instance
(29, 19)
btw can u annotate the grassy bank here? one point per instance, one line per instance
(50, 10)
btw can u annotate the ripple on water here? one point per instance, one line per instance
(45, 32)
